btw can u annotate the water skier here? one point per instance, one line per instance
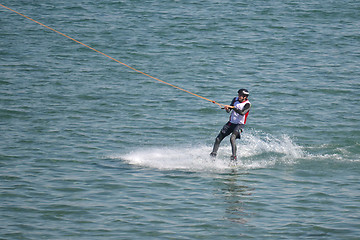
(239, 108)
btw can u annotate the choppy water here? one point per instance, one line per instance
(92, 150)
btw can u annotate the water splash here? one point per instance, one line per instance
(187, 158)
(263, 150)
(255, 150)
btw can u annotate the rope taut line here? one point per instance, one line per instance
(134, 69)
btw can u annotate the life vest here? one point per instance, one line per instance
(235, 117)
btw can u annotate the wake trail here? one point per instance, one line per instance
(255, 150)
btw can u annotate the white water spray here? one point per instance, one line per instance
(255, 150)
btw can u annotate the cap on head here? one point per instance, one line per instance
(243, 92)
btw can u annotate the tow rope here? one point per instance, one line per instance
(134, 69)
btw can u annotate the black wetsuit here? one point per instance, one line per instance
(231, 128)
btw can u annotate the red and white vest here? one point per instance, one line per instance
(237, 118)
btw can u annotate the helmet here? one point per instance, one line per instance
(243, 92)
